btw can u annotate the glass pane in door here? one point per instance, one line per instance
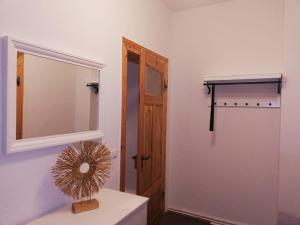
(153, 82)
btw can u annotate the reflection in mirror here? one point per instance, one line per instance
(54, 97)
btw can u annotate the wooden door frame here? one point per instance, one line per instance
(127, 46)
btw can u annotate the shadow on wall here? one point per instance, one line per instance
(288, 219)
(211, 2)
(28, 155)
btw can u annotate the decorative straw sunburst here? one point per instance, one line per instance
(82, 169)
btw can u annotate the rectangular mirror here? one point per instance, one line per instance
(51, 97)
(54, 97)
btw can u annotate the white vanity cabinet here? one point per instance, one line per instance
(115, 208)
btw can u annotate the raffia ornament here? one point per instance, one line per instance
(80, 171)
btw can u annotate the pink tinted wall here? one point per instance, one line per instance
(91, 30)
(289, 188)
(231, 174)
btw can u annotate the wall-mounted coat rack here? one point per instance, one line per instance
(212, 82)
(94, 86)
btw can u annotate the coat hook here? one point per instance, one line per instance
(208, 89)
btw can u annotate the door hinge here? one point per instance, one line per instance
(165, 84)
(18, 81)
(163, 195)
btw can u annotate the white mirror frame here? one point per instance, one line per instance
(11, 144)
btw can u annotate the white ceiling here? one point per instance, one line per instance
(177, 5)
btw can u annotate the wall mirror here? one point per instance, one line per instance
(51, 97)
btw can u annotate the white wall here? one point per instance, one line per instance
(289, 188)
(92, 30)
(233, 174)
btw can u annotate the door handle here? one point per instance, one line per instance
(165, 84)
(135, 157)
(18, 80)
(145, 158)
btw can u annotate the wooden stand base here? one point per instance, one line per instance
(84, 206)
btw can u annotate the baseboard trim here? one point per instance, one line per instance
(213, 221)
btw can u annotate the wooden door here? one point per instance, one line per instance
(151, 156)
(20, 95)
(152, 132)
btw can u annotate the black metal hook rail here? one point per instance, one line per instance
(212, 88)
(95, 86)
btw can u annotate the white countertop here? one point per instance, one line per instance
(114, 207)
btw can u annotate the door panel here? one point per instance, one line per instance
(151, 157)
(154, 211)
(156, 142)
(146, 165)
(153, 104)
